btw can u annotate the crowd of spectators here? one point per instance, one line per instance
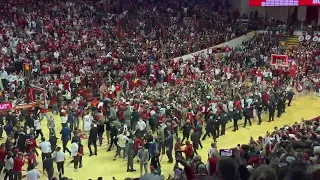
(123, 50)
(289, 152)
(79, 32)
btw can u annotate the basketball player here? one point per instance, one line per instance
(87, 120)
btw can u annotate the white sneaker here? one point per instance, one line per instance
(76, 170)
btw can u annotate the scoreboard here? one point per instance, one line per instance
(284, 2)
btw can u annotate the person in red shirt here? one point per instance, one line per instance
(259, 76)
(177, 145)
(137, 143)
(17, 166)
(31, 145)
(118, 91)
(32, 161)
(80, 154)
(212, 164)
(188, 150)
(3, 154)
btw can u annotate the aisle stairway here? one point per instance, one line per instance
(292, 41)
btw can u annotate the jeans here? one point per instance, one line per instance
(143, 166)
(50, 173)
(45, 156)
(1, 131)
(9, 174)
(112, 141)
(119, 151)
(1, 167)
(130, 161)
(76, 122)
(45, 115)
(71, 125)
(55, 109)
(100, 139)
(52, 132)
(94, 143)
(17, 175)
(64, 146)
(75, 162)
(60, 167)
(38, 132)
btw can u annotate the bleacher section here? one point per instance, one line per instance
(188, 21)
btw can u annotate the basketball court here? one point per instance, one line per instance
(103, 165)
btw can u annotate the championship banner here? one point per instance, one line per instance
(279, 60)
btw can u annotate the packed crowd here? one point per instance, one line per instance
(289, 152)
(115, 72)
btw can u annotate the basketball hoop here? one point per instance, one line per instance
(279, 60)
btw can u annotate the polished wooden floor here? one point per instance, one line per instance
(103, 165)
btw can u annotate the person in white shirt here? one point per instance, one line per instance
(45, 147)
(87, 121)
(74, 154)
(230, 106)
(152, 112)
(56, 55)
(8, 165)
(212, 150)
(4, 77)
(33, 174)
(249, 101)
(68, 97)
(122, 140)
(51, 126)
(228, 74)
(60, 157)
(37, 127)
(141, 125)
(64, 118)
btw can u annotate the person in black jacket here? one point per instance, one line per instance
(29, 120)
(53, 141)
(290, 95)
(21, 141)
(224, 120)
(247, 116)
(155, 163)
(195, 138)
(279, 106)
(272, 109)
(93, 139)
(216, 125)
(209, 127)
(170, 147)
(236, 117)
(186, 128)
(113, 134)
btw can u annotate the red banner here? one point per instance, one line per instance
(6, 106)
